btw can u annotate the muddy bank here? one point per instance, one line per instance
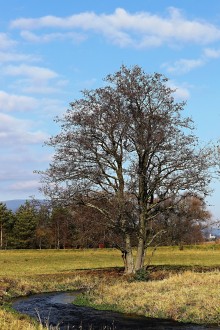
(57, 309)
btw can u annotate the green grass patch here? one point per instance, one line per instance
(84, 300)
(39, 262)
(33, 262)
(204, 255)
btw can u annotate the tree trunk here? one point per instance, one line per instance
(141, 244)
(58, 244)
(140, 254)
(128, 256)
(58, 237)
(40, 243)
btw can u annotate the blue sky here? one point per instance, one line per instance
(51, 50)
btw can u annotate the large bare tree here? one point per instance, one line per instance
(128, 144)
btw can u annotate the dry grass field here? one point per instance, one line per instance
(184, 285)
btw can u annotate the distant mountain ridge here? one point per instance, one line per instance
(14, 204)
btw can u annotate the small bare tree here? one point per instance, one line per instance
(128, 143)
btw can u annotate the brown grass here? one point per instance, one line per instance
(187, 297)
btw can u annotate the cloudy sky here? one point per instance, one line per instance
(51, 50)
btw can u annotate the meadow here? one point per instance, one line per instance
(183, 285)
(36, 262)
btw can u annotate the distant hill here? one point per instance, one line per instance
(215, 232)
(14, 204)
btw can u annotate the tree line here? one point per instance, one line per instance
(39, 225)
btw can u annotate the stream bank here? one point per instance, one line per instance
(58, 308)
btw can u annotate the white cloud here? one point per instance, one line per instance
(52, 107)
(10, 172)
(17, 57)
(184, 65)
(34, 79)
(26, 158)
(181, 93)
(212, 53)
(17, 132)
(35, 86)
(34, 72)
(44, 38)
(14, 103)
(6, 42)
(25, 185)
(41, 86)
(11, 102)
(141, 29)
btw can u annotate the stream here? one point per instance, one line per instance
(58, 308)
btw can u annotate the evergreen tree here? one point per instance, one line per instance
(25, 225)
(6, 225)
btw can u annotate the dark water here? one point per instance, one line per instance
(57, 309)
